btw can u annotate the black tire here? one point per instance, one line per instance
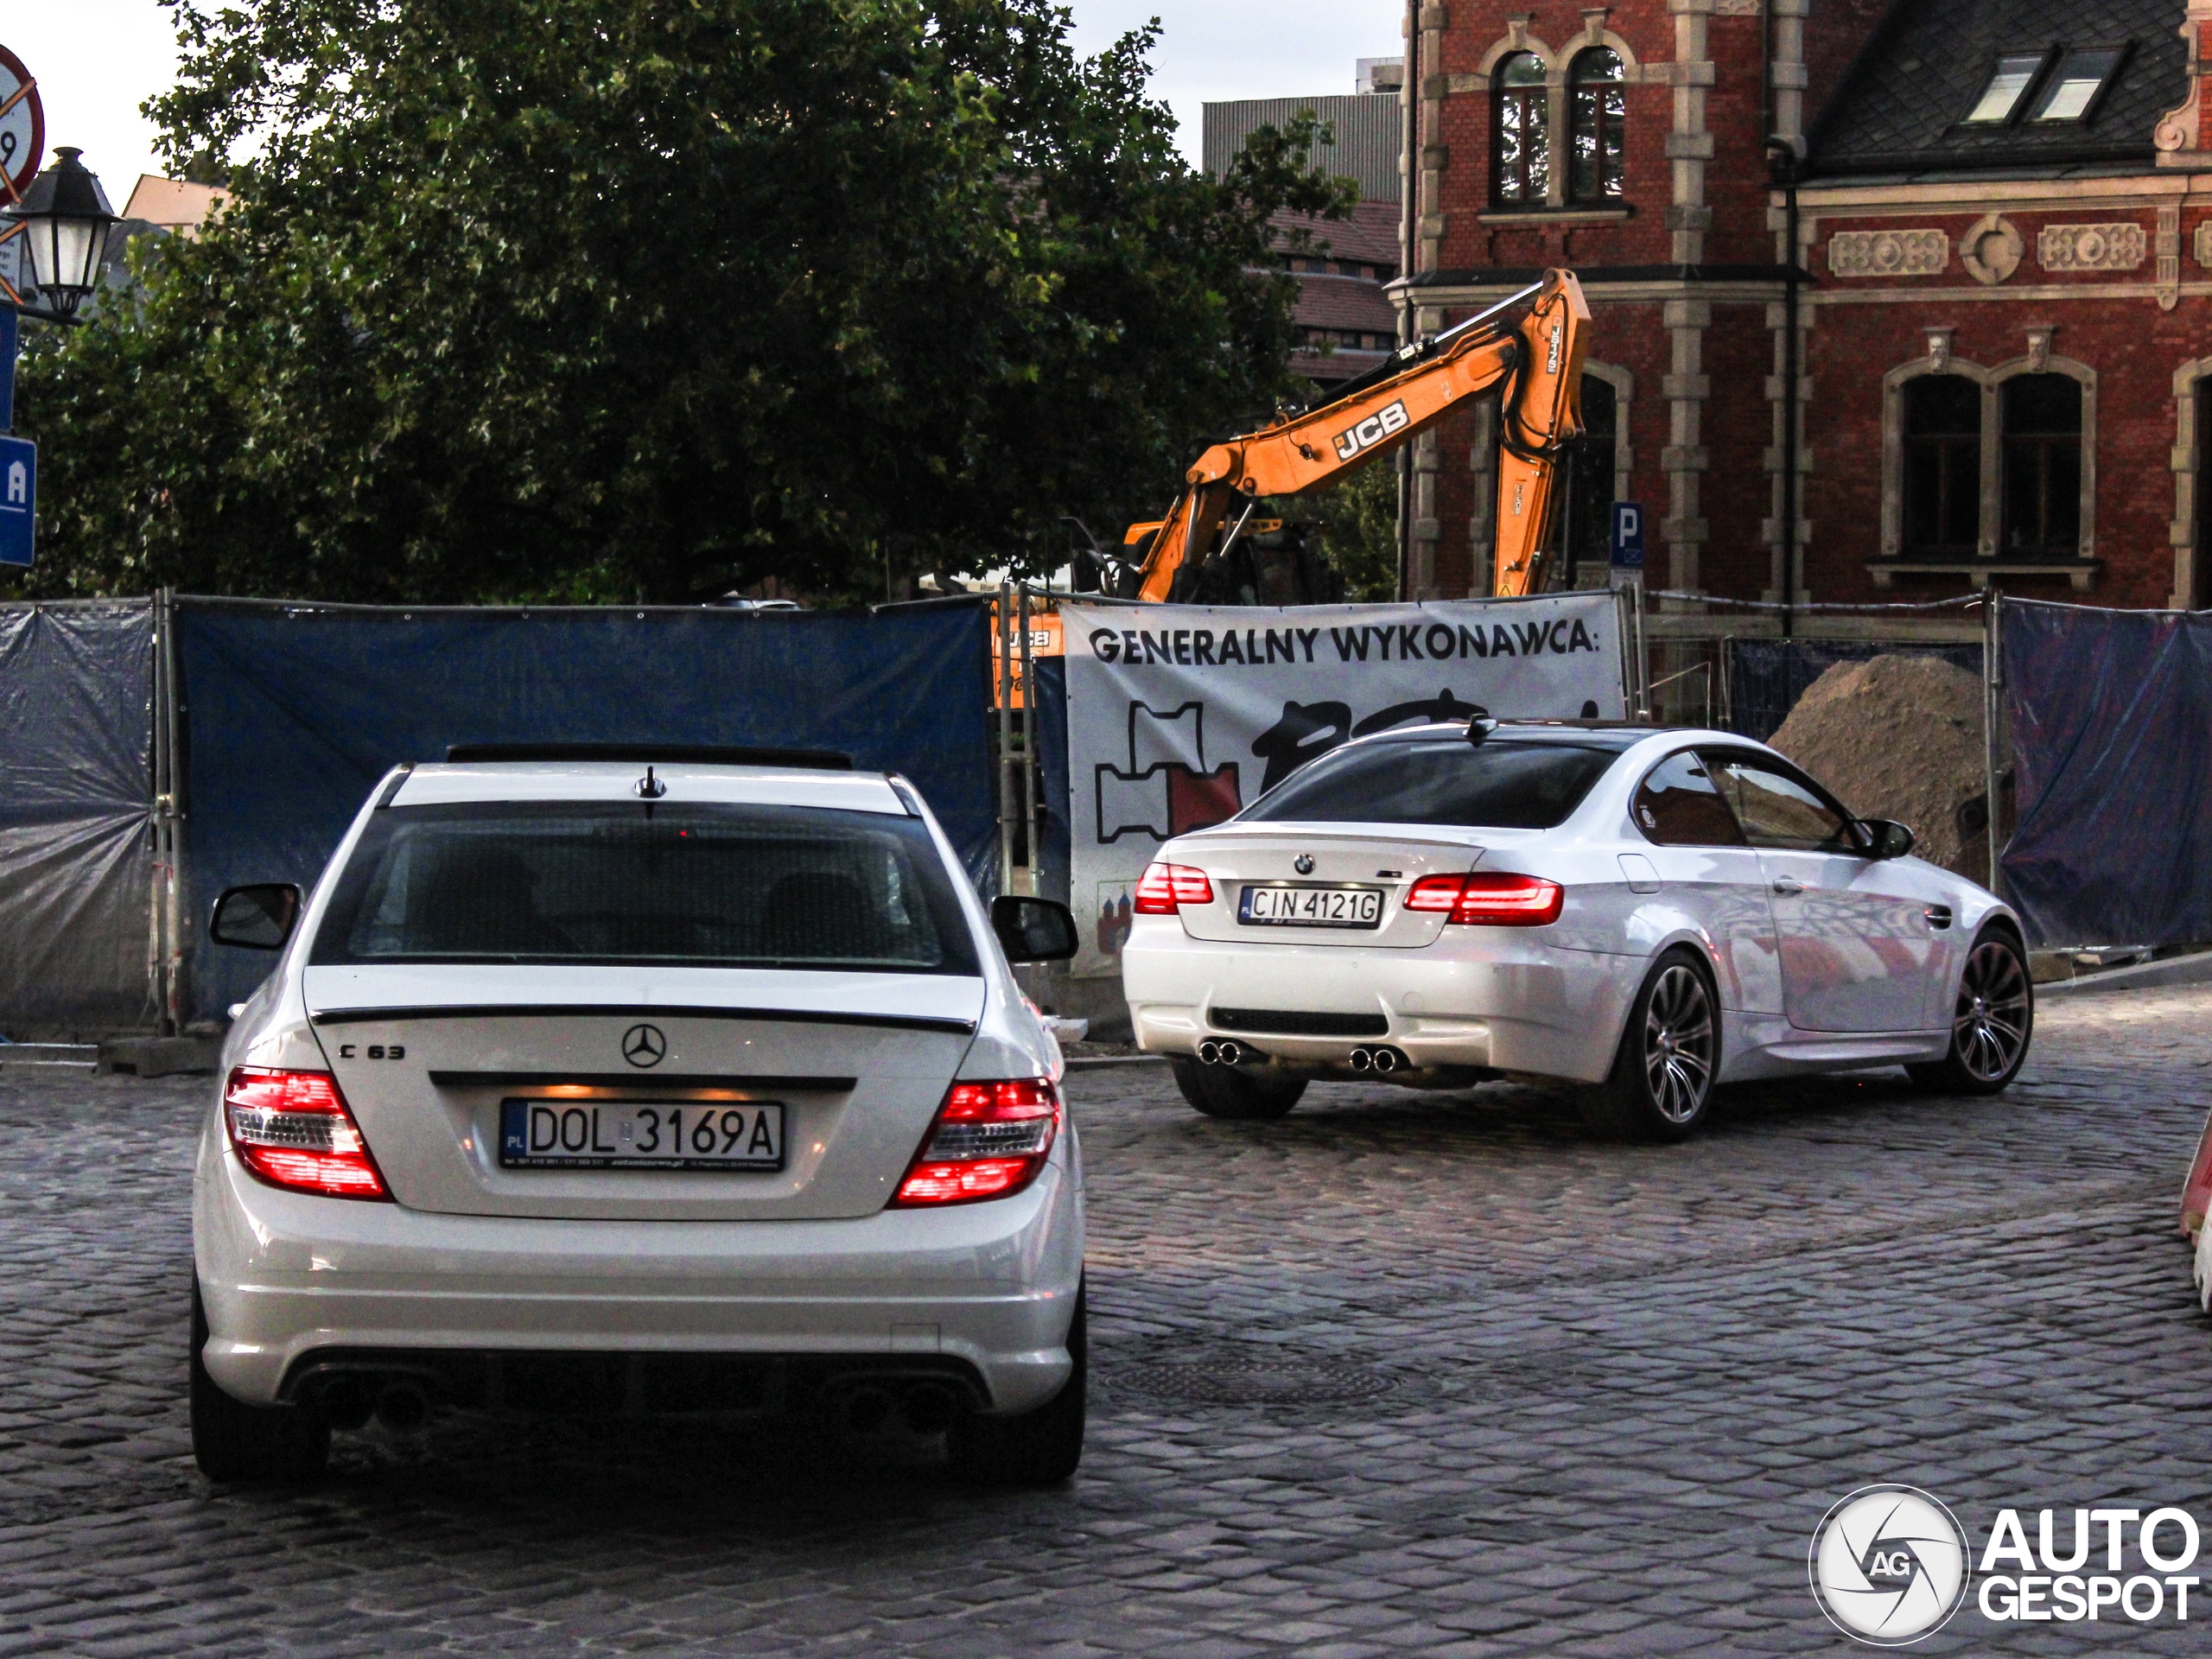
(1039, 1448)
(1661, 1087)
(239, 1444)
(1226, 1092)
(1990, 1022)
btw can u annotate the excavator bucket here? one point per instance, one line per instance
(1542, 414)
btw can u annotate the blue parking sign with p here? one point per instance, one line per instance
(1628, 535)
(18, 500)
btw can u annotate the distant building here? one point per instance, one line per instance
(1346, 320)
(173, 204)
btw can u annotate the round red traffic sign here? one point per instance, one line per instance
(22, 125)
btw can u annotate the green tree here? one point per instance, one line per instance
(615, 299)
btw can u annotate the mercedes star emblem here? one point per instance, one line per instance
(643, 1045)
(1303, 864)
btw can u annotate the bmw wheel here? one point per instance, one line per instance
(1661, 1081)
(1990, 1022)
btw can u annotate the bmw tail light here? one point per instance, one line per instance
(989, 1140)
(293, 1130)
(1163, 886)
(1490, 899)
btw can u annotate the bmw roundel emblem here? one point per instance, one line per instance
(1303, 864)
(643, 1045)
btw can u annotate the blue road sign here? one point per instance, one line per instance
(18, 500)
(1628, 535)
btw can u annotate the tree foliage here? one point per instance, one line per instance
(617, 299)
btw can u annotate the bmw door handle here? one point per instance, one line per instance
(1939, 917)
(1788, 884)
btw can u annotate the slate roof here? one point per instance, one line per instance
(1345, 302)
(1900, 109)
(1369, 234)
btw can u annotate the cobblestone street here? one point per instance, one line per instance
(1399, 1374)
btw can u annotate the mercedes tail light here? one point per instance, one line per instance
(1163, 888)
(292, 1130)
(988, 1140)
(1490, 899)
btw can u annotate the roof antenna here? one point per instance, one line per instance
(649, 787)
(1479, 725)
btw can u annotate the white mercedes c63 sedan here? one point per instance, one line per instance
(1649, 912)
(655, 1082)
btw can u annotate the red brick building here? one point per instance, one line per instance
(2006, 318)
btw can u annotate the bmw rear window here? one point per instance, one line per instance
(698, 885)
(1499, 785)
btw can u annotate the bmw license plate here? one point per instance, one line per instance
(1285, 904)
(641, 1135)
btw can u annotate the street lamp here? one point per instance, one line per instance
(64, 218)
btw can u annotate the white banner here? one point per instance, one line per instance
(1180, 716)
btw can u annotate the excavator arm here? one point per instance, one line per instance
(1538, 364)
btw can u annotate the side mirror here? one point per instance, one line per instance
(1885, 838)
(256, 917)
(1034, 930)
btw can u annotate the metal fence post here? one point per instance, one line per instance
(164, 925)
(1029, 748)
(1992, 677)
(1004, 629)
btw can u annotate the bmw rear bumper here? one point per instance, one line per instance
(1501, 1000)
(984, 1288)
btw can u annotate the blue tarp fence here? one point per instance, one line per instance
(77, 862)
(2111, 717)
(294, 711)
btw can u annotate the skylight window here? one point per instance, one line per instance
(2015, 72)
(2074, 87)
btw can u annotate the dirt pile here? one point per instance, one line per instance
(1900, 737)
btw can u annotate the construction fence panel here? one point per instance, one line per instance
(1766, 678)
(2110, 719)
(294, 712)
(76, 814)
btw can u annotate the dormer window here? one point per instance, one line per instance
(2016, 73)
(2071, 94)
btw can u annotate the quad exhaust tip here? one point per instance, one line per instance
(1211, 1053)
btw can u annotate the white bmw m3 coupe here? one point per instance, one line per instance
(1649, 912)
(663, 1081)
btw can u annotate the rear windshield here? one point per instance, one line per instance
(1496, 785)
(703, 884)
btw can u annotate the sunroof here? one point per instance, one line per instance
(2015, 72)
(2081, 77)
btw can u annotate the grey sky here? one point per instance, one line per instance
(96, 60)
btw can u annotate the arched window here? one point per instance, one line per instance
(1942, 465)
(1597, 118)
(2042, 465)
(1521, 141)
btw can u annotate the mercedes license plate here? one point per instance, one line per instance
(641, 1135)
(1285, 904)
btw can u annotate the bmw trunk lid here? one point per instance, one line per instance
(1326, 859)
(829, 1078)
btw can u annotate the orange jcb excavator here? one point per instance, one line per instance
(1539, 366)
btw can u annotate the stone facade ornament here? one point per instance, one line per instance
(1888, 253)
(2204, 245)
(2039, 348)
(1938, 349)
(2091, 247)
(1992, 251)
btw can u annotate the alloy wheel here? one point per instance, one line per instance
(1678, 1043)
(1991, 1025)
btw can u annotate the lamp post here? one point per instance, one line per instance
(64, 216)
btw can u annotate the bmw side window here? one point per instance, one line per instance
(1679, 805)
(1777, 810)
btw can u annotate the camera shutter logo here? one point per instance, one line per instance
(643, 1045)
(1889, 1566)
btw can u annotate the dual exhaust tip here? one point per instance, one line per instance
(349, 1402)
(1212, 1053)
(1381, 1058)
